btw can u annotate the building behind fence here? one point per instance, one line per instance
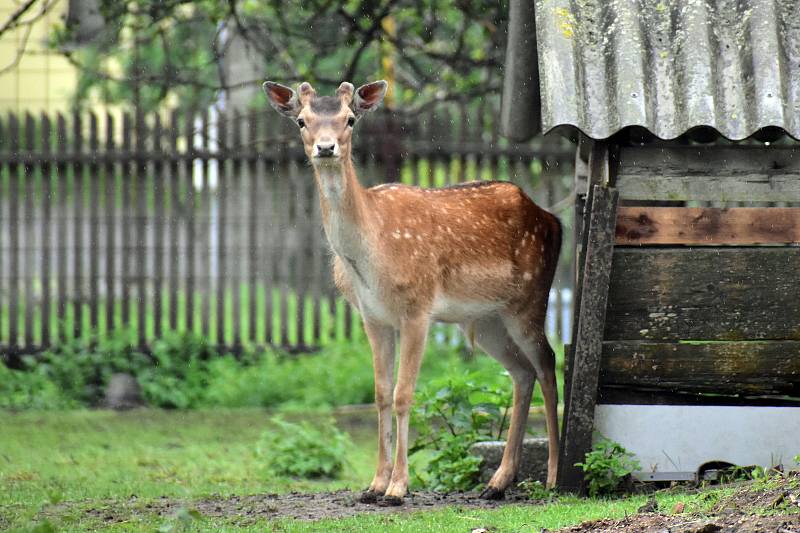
(211, 223)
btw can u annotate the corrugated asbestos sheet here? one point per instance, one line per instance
(667, 65)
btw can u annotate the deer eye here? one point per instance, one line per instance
(351, 121)
(301, 122)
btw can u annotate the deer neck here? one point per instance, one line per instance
(344, 213)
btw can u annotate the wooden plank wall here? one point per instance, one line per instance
(209, 223)
(703, 299)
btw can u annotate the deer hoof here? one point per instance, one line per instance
(369, 496)
(492, 493)
(390, 501)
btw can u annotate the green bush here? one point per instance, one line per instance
(178, 374)
(21, 389)
(451, 415)
(304, 450)
(184, 371)
(606, 466)
(80, 368)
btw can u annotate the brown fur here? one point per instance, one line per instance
(482, 255)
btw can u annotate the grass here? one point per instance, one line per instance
(71, 456)
(55, 466)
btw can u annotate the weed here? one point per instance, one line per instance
(304, 450)
(452, 414)
(606, 466)
(535, 490)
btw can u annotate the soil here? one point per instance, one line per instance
(338, 504)
(771, 507)
(774, 507)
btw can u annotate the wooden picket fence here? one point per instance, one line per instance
(210, 223)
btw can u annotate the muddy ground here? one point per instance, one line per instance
(338, 504)
(752, 508)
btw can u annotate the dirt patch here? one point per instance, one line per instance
(655, 523)
(759, 506)
(338, 504)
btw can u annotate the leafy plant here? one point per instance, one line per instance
(535, 490)
(80, 368)
(606, 466)
(179, 375)
(20, 389)
(304, 449)
(452, 414)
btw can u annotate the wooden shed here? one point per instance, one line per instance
(686, 116)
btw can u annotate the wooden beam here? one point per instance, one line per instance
(722, 293)
(754, 368)
(707, 225)
(579, 421)
(710, 173)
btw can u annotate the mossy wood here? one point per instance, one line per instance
(709, 173)
(747, 368)
(709, 293)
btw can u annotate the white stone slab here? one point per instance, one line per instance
(674, 441)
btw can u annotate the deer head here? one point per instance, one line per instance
(326, 122)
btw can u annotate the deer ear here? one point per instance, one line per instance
(282, 98)
(368, 97)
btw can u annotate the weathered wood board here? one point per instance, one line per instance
(760, 367)
(709, 173)
(707, 225)
(579, 421)
(704, 293)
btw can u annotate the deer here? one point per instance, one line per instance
(480, 254)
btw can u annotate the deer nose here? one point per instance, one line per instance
(325, 149)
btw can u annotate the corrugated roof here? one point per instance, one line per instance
(667, 65)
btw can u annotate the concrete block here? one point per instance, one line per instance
(534, 458)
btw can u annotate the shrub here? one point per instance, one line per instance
(304, 450)
(452, 414)
(606, 466)
(178, 376)
(21, 389)
(80, 368)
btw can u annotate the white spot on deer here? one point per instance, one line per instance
(516, 252)
(527, 276)
(407, 235)
(396, 234)
(542, 248)
(419, 237)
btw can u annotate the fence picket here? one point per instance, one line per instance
(47, 183)
(173, 236)
(14, 229)
(78, 207)
(191, 230)
(29, 181)
(110, 180)
(94, 224)
(159, 207)
(127, 219)
(62, 269)
(224, 179)
(139, 179)
(252, 230)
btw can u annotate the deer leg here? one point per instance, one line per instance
(529, 335)
(381, 340)
(491, 335)
(413, 332)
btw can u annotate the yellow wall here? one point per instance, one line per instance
(43, 80)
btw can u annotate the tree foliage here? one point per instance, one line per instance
(151, 52)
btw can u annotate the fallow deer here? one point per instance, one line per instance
(481, 255)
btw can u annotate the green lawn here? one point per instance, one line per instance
(56, 465)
